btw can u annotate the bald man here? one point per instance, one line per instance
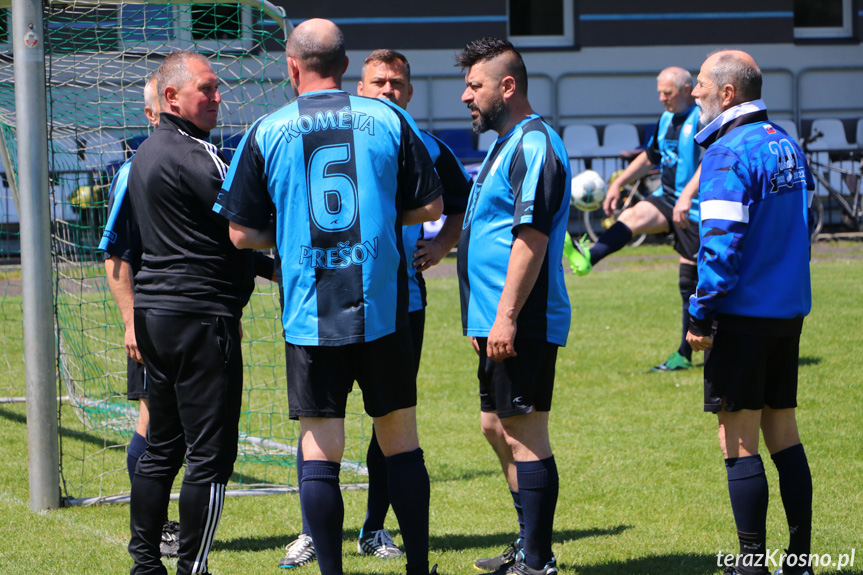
(514, 304)
(296, 178)
(753, 293)
(673, 208)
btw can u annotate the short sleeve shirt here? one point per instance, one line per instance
(672, 147)
(524, 181)
(456, 190)
(121, 237)
(336, 172)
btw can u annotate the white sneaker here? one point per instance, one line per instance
(378, 543)
(299, 553)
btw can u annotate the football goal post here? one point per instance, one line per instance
(97, 57)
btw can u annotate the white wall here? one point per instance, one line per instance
(630, 91)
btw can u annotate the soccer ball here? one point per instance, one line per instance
(588, 191)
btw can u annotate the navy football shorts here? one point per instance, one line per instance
(136, 380)
(320, 378)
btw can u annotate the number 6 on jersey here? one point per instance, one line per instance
(332, 195)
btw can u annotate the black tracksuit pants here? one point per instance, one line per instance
(195, 378)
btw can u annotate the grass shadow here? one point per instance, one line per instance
(12, 416)
(674, 564)
(458, 541)
(467, 475)
(437, 543)
(807, 360)
(253, 543)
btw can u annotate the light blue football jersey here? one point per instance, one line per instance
(524, 181)
(336, 172)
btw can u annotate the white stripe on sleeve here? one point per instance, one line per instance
(724, 210)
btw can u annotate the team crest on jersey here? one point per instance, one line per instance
(341, 256)
(788, 173)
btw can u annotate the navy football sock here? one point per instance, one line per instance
(321, 493)
(378, 496)
(687, 282)
(747, 488)
(538, 487)
(613, 239)
(795, 487)
(516, 501)
(300, 461)
(137, 447)
(409, 496)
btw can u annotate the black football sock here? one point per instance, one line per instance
(687, 282)
(322, 496)
(752, 559)
(538, 486)
(378, 496)
(613, 239)
(409, 495)
(795, 487)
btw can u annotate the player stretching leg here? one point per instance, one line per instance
(673, 208)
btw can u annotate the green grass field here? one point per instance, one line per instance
(643, 487)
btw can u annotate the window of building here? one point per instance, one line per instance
(822, 19)
(5, 16)
(537, 23)
(216, 22)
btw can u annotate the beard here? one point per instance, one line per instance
(710, 109)
(492, 118)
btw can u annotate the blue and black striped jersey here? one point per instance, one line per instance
(456, 184)
(672, 147)
(121, 237)
(524, 180)
(336, 172)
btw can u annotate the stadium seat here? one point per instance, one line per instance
(619, 137)
(135, 141)
(858, 139)
(615, 139)
(486, 141)
(649, 129)
(582, 142)
(789, 126)
(834, 135)
(461, 143)
(836, 179)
